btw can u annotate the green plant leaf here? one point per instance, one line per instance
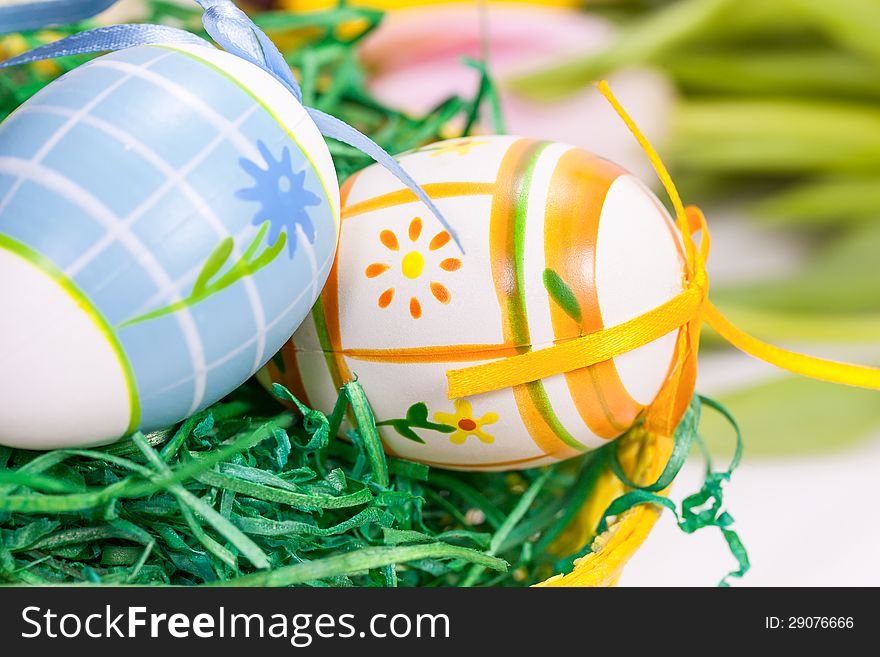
(766, 135)
(852, 23)
(799, 71)
(793, 415)
(841, 279)
(823, 203)
(640, 41)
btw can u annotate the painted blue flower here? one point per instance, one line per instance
(281, 192)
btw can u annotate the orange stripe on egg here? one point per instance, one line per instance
(345, 189)
(402, 196)
(325, 313)
(505, 250)
(577, 193)
(458, 353)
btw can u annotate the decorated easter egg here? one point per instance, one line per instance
(168, 216)
(557, 243)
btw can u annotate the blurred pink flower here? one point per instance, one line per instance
(415, 62)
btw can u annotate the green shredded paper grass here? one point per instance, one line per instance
(247, 493)
(243, 494)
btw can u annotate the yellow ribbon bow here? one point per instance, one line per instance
(686, 312)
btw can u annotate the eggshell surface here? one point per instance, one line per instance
(168, 216)
(557, 243)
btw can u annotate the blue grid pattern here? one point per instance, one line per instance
(124, 173)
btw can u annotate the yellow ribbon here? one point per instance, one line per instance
(686, 312)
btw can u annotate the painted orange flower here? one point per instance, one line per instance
(466, 424)
(412, 264)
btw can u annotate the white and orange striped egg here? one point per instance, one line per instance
(557, 243)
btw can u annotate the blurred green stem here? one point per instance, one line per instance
(787, 327)
(852, 23)
(657, 35)
(824, 202)
(802, 71)
(776, 136)
(639, 42)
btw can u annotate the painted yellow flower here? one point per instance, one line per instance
(465, 423)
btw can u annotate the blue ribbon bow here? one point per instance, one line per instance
(232, 29)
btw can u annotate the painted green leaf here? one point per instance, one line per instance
(247, 265)
(417, 413)
(204, 288)
(268, 255)
(404, 430)
(416, 417)
(255, 243)
(562, 294)
(402, 427)
(213, 264)
(442, 428)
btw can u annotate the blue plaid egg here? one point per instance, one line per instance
(168, 216)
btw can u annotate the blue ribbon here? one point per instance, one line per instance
(40, 13)
(237, 34)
